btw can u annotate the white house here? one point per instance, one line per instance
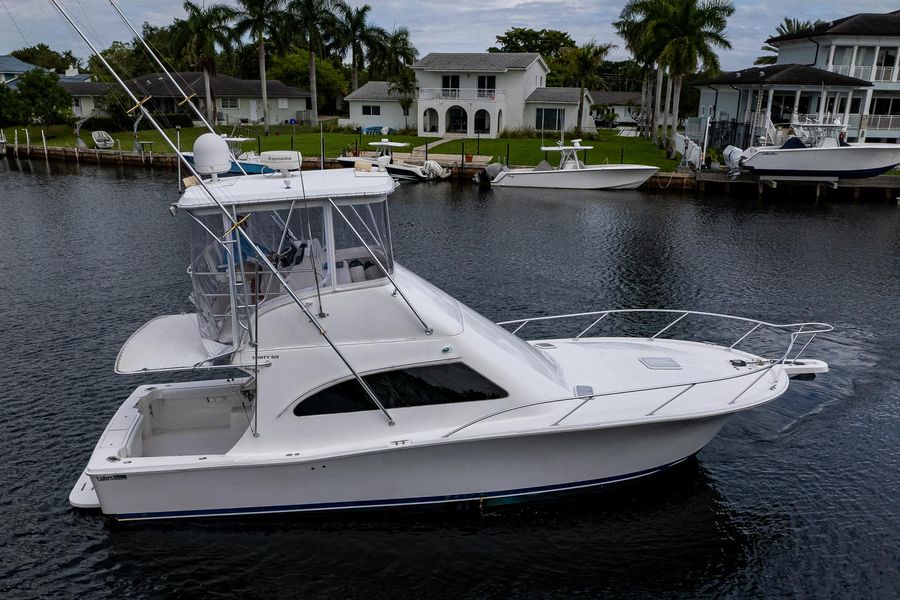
(474, 94)
(845, 69)
(626, 104)
(85, 93)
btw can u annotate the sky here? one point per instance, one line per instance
(457, 26)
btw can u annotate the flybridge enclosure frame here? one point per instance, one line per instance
(314, 250)
(568, 158)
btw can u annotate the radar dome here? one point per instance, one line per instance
(211, 155)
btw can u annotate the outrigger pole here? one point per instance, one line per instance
(256, 249)
(187, 98)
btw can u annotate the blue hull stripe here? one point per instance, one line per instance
(393, 502)
(858, 174)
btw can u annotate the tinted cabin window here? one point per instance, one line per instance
(418, 386)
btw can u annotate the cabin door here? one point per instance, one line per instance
(254, 115)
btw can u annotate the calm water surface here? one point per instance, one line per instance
(798, 498)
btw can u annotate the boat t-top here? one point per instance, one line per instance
(384, 157)
(349, 382)
(571, 173)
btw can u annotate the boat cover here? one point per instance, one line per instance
(167, 343)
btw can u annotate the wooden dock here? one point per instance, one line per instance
(884, 187)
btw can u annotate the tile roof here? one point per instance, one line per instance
(373, 90)
(11, 64)
(615, 97)
(887, 24)
(558, 95)
(159, 86)
(789, 74)
(488, 62)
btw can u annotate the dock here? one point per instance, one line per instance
(883, 187)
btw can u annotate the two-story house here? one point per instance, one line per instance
(473, 94)
(845, 70)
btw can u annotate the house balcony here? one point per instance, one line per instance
(884, 122)
(483, 95)
(866, 73)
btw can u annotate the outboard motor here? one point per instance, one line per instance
(732, 156)
(487, 174)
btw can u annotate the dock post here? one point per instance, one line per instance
(507, 154)
(178, 145)
(462, 159)
(16, 144)
(44, 140)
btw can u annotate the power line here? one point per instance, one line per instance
(27, 43)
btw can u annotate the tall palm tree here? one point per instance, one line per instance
(585, 62)
(405, 86)
(260, 19)
(692, 31)
(198, 35)
(786, 27)
(395, 53)
(315, 23)
(357, 35)
(633, 25)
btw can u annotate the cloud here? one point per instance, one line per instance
(457, 26)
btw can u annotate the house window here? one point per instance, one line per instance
(371, 109)
(450, 86)
(550, 118)
(403, 388)
(76, 101)
(487, 86)
(282, 103)
(228, 102)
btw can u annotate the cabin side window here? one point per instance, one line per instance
(403, 388)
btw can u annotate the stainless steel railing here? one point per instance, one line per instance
(795, 332)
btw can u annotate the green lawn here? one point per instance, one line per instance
(526, 151)
(280, 137)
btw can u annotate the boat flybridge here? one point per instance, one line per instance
(364, 386)
(571, 173)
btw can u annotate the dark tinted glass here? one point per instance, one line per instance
(418, 386)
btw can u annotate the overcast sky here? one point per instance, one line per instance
(455, 26)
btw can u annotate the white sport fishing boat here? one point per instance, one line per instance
(102, 140)
(571, 173)
(427, 403)
(815, 151)
(398, 169)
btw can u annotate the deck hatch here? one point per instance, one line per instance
(659, 362)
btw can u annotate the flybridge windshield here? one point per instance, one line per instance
(313, 247)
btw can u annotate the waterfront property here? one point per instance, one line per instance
(11, 68)
(627, 105)
(846, 69)
(473, 94)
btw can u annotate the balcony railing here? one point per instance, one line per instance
(884, 73)
(862, 72)
(884, 122)
(841, 69)
(461, 94)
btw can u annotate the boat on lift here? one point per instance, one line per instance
(427, 405)
(571, 173)
(399, 169)
(102, 140)
(815, 150)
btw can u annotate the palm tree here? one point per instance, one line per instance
(787, 27)
(260, 19)
(357, 35)
(405, 86)
(395, 53)
(198, 35)
(633, 25)
(691, 31)
(315, 23)
(585, 62)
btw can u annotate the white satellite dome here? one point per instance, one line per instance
(211, 155)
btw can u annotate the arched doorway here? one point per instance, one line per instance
(430, 121)
(482, 121)
(457, 120)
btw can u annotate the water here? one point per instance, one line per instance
(797, 498)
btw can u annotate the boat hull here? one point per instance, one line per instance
(844, 162)
(451, 471)
(613, 177)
